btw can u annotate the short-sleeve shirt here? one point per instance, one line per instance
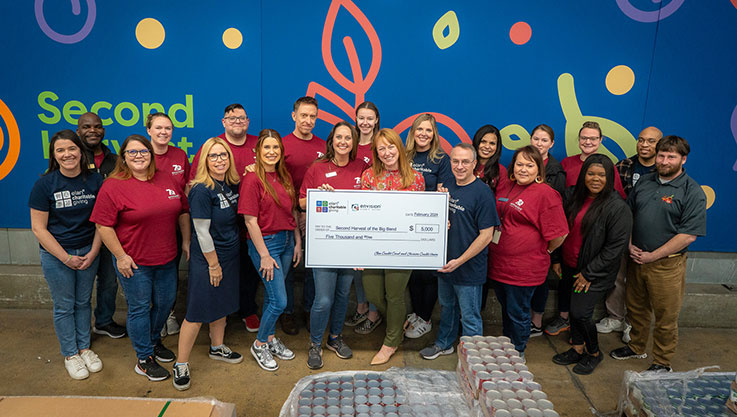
(243, 155)
(175, 163)
(531, 216)
(573, 164)
(69, 202)
(434, 172)
(471, 208)
(638, 170)
(661, 211)
(365, 153)
(390, 181)
(300, 154)
(255, 201)
(144, 215)
(219, 205)
(572, 245)
(347, 177)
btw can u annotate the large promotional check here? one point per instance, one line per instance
(376, 229)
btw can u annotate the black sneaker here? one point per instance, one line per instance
(151, 369)
(624, 353)
(225, 354)
(181, 376)
(587, 364)
(113, 330)
(162, 353)
(535, 331)
(367, 326)
(340, 348)
(314, 356)
(568, 357)
(659, 368)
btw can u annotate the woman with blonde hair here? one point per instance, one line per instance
(391, 170)
(269, 204)
(214, 262)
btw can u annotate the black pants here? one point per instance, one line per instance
(423, 290)
(583, 328)
(249, 280)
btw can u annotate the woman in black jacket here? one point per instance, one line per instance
(600, 223)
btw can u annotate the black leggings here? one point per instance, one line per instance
(583, 328)
(423, 290)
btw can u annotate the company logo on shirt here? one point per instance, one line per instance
(66, 198)
(517, 204)
(358, 182)
(366, 159)
(63, 199)
(320, 154)
(223, 201)
(453, 205)
(176, 169)
(668, 198)
(172, 194)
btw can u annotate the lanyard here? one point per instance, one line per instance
(506, 200)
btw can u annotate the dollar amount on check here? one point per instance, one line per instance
(376, 229)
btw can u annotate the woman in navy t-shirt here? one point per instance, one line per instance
(61, 202)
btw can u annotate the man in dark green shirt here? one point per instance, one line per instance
(669, 210)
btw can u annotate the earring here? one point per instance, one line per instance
(511, 177)
(539, 179)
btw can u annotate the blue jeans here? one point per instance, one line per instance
(515, 301)
(458, 302)
(107, 289)
(332, 288)
(150, 295)
(71, 291)
(308, 291)
(360, 293)
(281, 248)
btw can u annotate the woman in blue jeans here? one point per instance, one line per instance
(337, 169)
(268, 202)
(137, 212)
(61, 202)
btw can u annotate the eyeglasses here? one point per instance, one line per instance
(651, 141)
(464, 162)
(213, 157)
(589, 138)
(134, 153)
(236, 119)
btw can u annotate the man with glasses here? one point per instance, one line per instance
(243, 146)
(589, 140)
(472, 216)
(630, 170)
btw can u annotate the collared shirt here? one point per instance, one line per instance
(663, 210)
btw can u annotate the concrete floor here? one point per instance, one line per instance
(33, 366)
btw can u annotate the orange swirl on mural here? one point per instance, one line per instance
(13, 140)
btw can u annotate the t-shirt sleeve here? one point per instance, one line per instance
(39, 199)
(249, 200)
(487, 216)
(552, 219)
(200, 203)
(445, 174)
(105, 212)
(693, 219)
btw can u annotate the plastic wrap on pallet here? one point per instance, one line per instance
(397, 392)
(695, 393)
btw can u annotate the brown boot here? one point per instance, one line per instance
(287, 324)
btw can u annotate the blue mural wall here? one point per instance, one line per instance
(625, 63)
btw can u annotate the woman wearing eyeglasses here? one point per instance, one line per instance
(137, 212)
(214, 263)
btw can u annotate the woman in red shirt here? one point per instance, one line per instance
(391, 170)
(268, 202)
(533, 224)
(137, 212)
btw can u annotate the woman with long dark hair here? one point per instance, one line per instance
(61, 202)
(600, 223)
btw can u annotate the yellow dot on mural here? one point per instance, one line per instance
(232, 38)
(150, 33)
(710, 195)
(620, 80)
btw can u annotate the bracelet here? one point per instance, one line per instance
(67, 261)
(214, 267)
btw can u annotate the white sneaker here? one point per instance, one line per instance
(172, 327)
(76, 367)
(626, 333)
(91, 361)
(609, 324)
(419, 328)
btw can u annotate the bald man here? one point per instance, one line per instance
(630, 170)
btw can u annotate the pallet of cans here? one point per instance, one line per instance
(496, 380)
(688, 394)
(397, 392)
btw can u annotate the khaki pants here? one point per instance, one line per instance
(385, 289)
(658, 288)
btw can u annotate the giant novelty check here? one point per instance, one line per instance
(376, 229)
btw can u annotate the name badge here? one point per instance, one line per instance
(330, 174)
(495, 237)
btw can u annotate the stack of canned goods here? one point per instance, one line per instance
(515, 399)
(362, 394)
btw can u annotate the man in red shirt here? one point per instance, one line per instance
(235, 122)
(301, 148)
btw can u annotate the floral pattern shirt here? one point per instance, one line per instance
(390, 181)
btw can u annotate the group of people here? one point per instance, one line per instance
(236, 214)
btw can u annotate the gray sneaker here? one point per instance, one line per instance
(558, 326)
(356, 319)
(367, 326)
(263, 357)
(314, 356)
(433, 351)
(338, 346)
(278, 349)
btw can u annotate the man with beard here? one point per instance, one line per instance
(102, 160)
(669, 210)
